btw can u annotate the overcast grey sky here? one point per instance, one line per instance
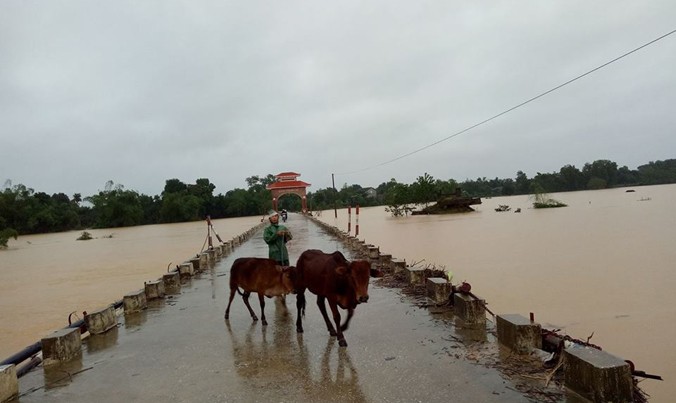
(139, 92)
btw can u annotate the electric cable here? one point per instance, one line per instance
(510, 109)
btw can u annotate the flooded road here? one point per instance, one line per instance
(182, 350)
(602, 266)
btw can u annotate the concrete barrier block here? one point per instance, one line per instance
(597, 375)
(471, 310)
(172, 280)
(414, 275)
(154, 289)
(518, 333)
(195, 263)
(61, 346)
(186, 270)
(438, 289)
(101, 321)
(9, 383)
(204, 261)
(385, 261)
(399, 265)
(212, 254)
(135, 301)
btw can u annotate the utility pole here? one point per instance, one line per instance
(333, 182)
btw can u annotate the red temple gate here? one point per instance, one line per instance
(288, 183)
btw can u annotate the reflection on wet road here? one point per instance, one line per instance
(266, 362)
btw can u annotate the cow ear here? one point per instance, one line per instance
(341, 270)
(279, 268)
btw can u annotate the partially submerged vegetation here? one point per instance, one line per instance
(85, 236)
(542, 200)
(454, 203)
(5, 234)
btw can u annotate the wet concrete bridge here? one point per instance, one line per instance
(182, 350)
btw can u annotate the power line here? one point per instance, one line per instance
(510, 109)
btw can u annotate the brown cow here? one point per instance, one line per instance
(332, 277)
(262, 276)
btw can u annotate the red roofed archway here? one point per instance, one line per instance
(288, 183)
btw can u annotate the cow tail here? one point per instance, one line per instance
(239, 292)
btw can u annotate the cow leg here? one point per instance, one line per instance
(261, 299)
(322, 309)
(232, 296)
(350, 312)
(245, 297)
(336, 318)
(300, 305)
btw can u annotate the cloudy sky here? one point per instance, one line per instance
(139, 92)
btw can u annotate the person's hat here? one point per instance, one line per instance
(272, 213)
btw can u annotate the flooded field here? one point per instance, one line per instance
(602, 266)
(43, 278)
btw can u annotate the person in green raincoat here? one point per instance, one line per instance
(276, 236)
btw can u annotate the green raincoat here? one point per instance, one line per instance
(277, 243)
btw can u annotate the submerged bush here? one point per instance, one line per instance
(85, 236)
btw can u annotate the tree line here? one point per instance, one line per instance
(25, 211)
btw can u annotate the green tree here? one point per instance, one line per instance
(396, 194)
(116, 207)
(522, 183)
(602, 169)
(180, 207)
(571, 178)
(423, 190)
(5, 234)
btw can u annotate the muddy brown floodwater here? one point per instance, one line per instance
(604, 265)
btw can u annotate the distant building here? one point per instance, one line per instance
(371, 193)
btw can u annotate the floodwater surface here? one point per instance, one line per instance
(601, 267)
(45, 278)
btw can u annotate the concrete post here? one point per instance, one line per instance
(185, 270)
(414, 275)
(195, 263)
(438, 289)
(204, 261)
(472, 311)
(172, 280)
(154, 289)
(518, 333)
(101, 321)
(399, 265)
(135, 301)
(597, 375)
(212, 255)
(61, 346)
(9, 383)
(385, 262)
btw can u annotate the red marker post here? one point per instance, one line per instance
(356, 228)
(349, 219)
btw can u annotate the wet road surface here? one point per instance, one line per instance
(182, 350)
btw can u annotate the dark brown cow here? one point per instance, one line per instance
(331, 277)
(262, 276)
